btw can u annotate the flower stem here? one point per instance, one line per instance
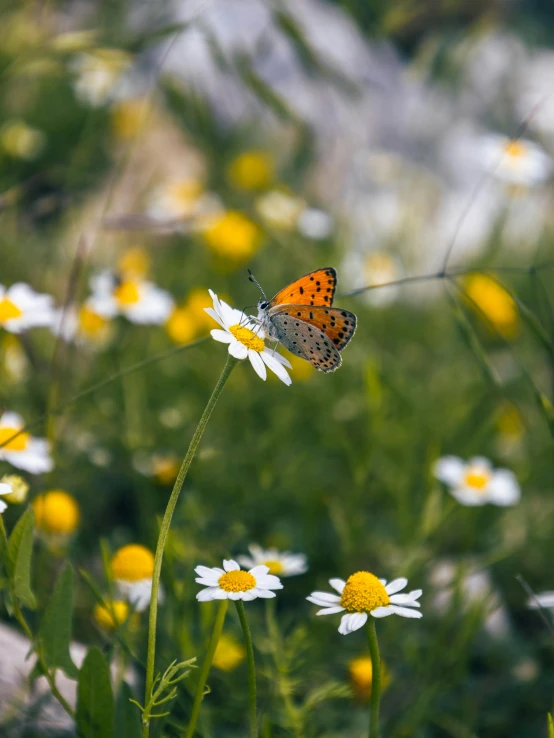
(205, 670)
(164, 530)
(251, 669)
(375, 679)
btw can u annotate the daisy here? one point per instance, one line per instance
(282, 563)
(24, 452)
(476, 482)
(232, 583)
(21, 308)
(246, 340)
(132, 568)
(5, 489)
(99, 75)
(362, 595)
(544, 599)
(140, 301)
(81, 324)
(515, 161)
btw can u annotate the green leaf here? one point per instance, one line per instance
(55, 628)
(127, 715)
(550, 726)
(547, 409)
(20, 551)
(474, 344)
(95, 704)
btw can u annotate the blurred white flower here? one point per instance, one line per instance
(21, 308)
(5, 489)
(99, 74)
(82, 325)
(476, 482)
(246, 340)
(315, 224)
(24, 451)
(178, 199)
(543, 599)
(374, 269)
(363, 594)
(515, 161)
(138, 300)
(282, 563)
(280, 209)
(232, 583)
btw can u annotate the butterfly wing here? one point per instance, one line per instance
(337, 324)
(315, 288)
(306, 341)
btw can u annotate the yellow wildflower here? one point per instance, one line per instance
(494, 302)
(251, 170)
(56, 513)
(228, 654)
(233, 236)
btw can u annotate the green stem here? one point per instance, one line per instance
(50, 678)
(251, 669)
(164, 530)
(205, 670)
(375, 679)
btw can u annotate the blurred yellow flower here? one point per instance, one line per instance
(20, 488)
(128, 117)
(134, 262)
(251, 170)
(91, 325)
(112, 616)
(190, 320)
(493, 301)
(165, 468)
(15, 365)
(21, 141)
(509, 422)
(74, 41)
(360, 671)
(132, 563)
(301, 369)
(233, 236)
(229, 653)
(56, 513)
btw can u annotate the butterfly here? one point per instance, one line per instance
(301, 317)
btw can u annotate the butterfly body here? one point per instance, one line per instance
(302, 318)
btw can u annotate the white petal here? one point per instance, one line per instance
(257, 364)
(469, 496)
(221, 336)
(406, 612)
(230, 565)
(544, 599)
(259, 570)
(382, 612)
(269, 582)
(11, 420)
(250, 594)
(323, 598)
(220, 594)
(206, 594)
(277, 368)
(396, 585)
(238, 350)
(212, 313)
(352, 621)
(5, 489)
(404, 599)
(337, 584)
(450, 470)
(503, 488)
(208, 581)
(330, 610)
(3, 506)
(265, 594)
(235, 595)
(246, 561)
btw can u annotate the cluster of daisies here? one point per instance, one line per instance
(360, 596)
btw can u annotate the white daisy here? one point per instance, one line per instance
(516, 161)
(5, 489)
(99, 75)
(476, 482)
(21, 308)
(138, 300)
(81, 324)
(138, 593)
(246, 340)
(363, 595)
(24, 452)
(543, 599)
(232, 583)
(283, 563)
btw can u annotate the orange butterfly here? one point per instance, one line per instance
(300, 317)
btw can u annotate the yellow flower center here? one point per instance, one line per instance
(56, 512)
(133, 563)
(126, 293)
(515, 150)
(233, 236)
(228, 654)
(181, 326)
(363, 593)
(252, 170)
(236, 581)
(8, 311)
(90, 322)
(247, 337)
(112, 616)
(477, 479)
(275, 567)
(18, 444)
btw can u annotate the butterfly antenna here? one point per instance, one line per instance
(253, 279)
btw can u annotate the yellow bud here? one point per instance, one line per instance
(132, 563)
(56, 512)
